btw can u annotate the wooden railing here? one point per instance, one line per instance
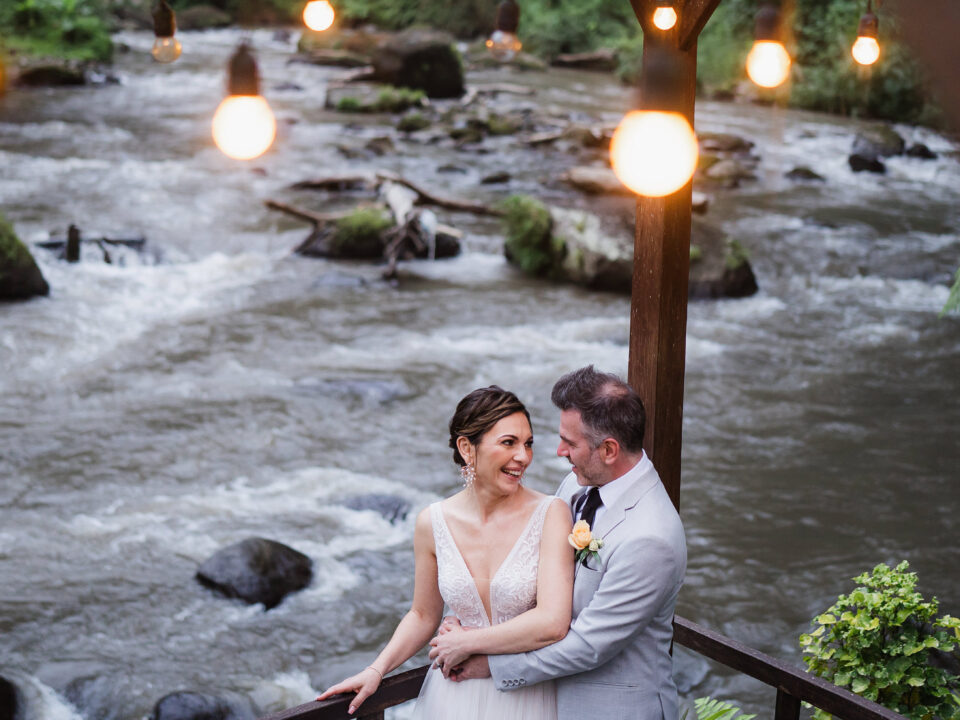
(793, 684)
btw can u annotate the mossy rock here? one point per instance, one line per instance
(202, 17)
(51, 75)
(412, 122)
(878, 141)
(528, 243)
(20, 278)
(358, 236)
(383, 99)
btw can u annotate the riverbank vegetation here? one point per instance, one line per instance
(887, 643)
(825, 77)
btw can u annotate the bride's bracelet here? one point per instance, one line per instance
(371, 667)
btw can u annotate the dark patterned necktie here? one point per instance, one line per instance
(589, 509)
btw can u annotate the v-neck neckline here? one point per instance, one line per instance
(488, 615)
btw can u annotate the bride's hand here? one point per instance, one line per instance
(364, 684)
(450, 649)
(450, 622)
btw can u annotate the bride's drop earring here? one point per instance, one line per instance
(468, 475)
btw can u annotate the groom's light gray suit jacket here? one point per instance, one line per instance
(615, 661)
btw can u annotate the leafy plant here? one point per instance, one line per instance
(878, 641)
(953, 301)
(709, 709)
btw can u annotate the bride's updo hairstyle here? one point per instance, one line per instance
(478, 412)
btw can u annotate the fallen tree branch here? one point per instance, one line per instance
(430, 199)
(337, 182)
(308, 215)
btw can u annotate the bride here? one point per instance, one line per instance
(497, 555)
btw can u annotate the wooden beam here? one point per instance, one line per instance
(658, 311)
(692, 19)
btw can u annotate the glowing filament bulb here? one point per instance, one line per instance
(768, 63)
(166, 49)
(665, 17)
(244, 126)
(866, 50)
(654, 153)
(318, 15)
(503, 45)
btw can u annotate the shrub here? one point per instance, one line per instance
(74, 29)
(709, 709)
(878, 641)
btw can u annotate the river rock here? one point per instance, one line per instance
(866, 163)
(392, 507)
(256, 570)
(20, 278)
(595, 180)
(802, 173)
(729, 172)
(187, 705)
(202, 17)
(919, 150)
(878, 141)
(420, 59)
(333, 57)
(495, 178)
(722, 269)
(602, 60)
(51, 75)
(574, 247)
(723, 142)
(9, 700)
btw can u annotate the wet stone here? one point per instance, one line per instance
(256, 570)
(9, 700)
(186, 705)
(392, 507)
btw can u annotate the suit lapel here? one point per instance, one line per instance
(617, 513)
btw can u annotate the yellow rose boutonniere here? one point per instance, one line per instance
(583, 541)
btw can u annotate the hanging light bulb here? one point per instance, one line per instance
(768, 63)
(503, 43)
(866, 50)
(654, 150)
(166, 48)
(318, 15)
(665, 17)
(243, 125)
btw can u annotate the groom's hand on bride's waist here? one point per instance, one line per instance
(473, 668)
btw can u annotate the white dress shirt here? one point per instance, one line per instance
(612, 491)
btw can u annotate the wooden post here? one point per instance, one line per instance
(788, 707)
(661, 263)
(658, 312)
(73, 244)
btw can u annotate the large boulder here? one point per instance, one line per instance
(420, 59)
(878, 141)
(572, 246)
(20, 278)
(186, 705)
(9, 700)
(257, 570)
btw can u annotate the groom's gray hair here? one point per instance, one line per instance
(608, 407)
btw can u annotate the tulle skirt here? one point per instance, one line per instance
(442, 699)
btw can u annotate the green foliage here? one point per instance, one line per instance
(825, 77)
(709, 709)
(878, 641)
(11, 249)
(549, 27)
(736, 255)
(349, 105)
(360, 233)
(74, 29)
(528, 234)
(953, 302)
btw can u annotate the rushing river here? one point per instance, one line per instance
(158, 409)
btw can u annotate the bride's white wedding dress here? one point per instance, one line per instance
(513, 590)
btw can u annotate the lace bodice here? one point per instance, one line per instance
(513, 589)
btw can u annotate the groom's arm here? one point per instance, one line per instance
(640, 576)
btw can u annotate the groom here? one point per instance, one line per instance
(615, 661)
